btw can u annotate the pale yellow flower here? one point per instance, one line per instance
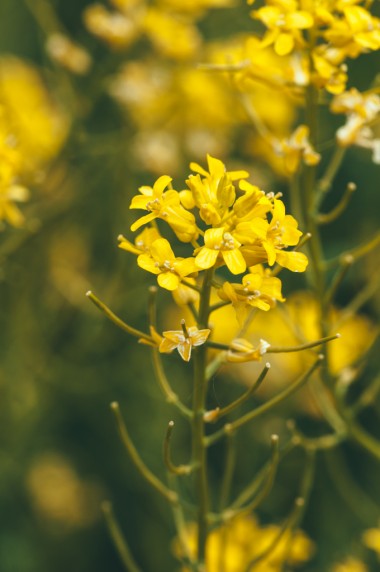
(183, 340)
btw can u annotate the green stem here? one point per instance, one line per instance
(199, 457)
(118, 538)
(281, 396)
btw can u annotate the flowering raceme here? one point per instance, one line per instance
(240, 228)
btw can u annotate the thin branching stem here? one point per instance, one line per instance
(116, 320)
(168, 494)
(281, 396)
(118, 538)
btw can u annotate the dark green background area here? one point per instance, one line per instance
(74, 363)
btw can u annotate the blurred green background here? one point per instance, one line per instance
(62, 363)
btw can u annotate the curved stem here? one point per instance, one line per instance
(118, 538)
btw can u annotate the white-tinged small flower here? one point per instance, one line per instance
(183, 340)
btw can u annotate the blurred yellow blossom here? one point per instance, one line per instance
(350, 564)
(371, 539)
(68, 54)
(235, 544)
(32, 131)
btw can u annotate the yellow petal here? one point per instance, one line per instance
(284, 44)
(234, 261)
(206, 258)
(168, 280)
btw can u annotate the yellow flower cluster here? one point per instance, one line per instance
(232, 547)
(325, 32)
(239, 228)
(32, 130)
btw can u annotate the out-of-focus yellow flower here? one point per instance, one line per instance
(58, 494)
(371, 538)
(68, 54)
(357, 31)
(234, 545)
(162, 27)
(162, 261)
(32, 131)
(361, 109)
(296, 322)
(285, 23)
(118, 30)
(183, 340)
(36, 125)
(297, 148)
(350, 564)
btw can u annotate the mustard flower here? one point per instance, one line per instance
(350, 564)
(285, 24)
(220, 244)
(371, 539)
(243, 351)
(357, 31)
(183, 340)
(258, 290)
(361, 109)
(68, 54)
(297, 148)
(263, 240)
(214, 193)
(161, 261)
(166, 206)
(143, 241)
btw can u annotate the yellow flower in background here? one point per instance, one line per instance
(183, 340)
(68, 54)
(117, 29)
(371, 539)
(285, 23)
(38, 126)
(298, 321)
(162, 261)
(235, 544)
(32, 131)
(296, 149)
(350, 564)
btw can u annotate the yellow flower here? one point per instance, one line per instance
(243, 539)
(265, 240)
(166, 206)
(360, 108)
(214, 193)
(297, 148)
(350, 564)
(356, 32)
(143, 241)
(242, 351)
(220, 244)
(162, 261)
(161, 27)
(285, 24)
(68, 54)
(118, 30)
(371, 538)
(258, 290)
(183, 340)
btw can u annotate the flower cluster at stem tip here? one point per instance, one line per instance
(227, 222)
